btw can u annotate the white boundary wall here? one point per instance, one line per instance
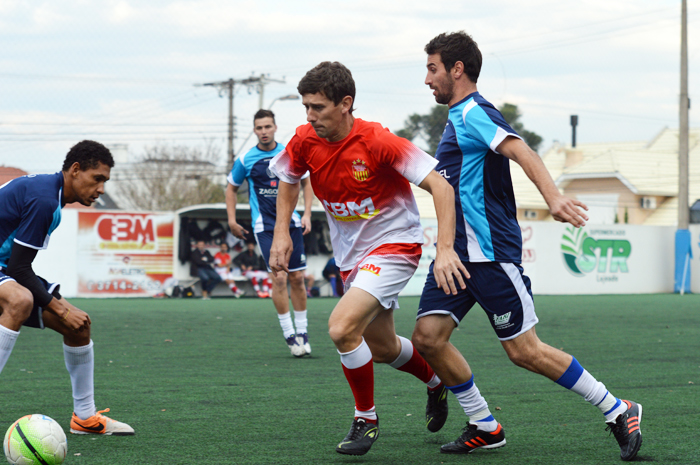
(644, 261)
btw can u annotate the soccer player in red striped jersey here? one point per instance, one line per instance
(361, 173)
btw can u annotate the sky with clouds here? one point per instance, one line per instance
(127, 72)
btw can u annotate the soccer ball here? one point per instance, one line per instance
(35, 439)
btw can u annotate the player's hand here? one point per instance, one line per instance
(237, 230)
(71, 316)
(306, 224)
(567, 210)
(280, 252)
(449, 271)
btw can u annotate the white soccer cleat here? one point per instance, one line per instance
(303, 340)
(294, 346)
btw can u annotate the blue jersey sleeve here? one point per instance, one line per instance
(237, 175)
(486, 125)
(40, 217)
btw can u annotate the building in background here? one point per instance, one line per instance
(621, 182)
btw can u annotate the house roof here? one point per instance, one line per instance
(8, 173)
(645, 168)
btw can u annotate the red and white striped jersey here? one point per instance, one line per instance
(363, 183)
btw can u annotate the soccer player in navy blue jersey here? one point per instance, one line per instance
(30, 210)
(473, 156)
(262, 191)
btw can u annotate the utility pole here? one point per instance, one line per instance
(683, 211)
(257, 83)
(228, 88)
(683, 249)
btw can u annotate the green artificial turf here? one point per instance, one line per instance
(212, 382)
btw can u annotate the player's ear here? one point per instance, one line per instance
(346, 103)
(457, 70)
(74, 169)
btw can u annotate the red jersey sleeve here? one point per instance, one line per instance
(403, 156)
(289, 165)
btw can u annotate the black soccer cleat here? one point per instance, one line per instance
(473, 439)
(436, 409)
(359, 439)
(626, 430)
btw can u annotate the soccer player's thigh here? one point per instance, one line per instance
(434, 301)
(503, 291)
(264, 240)
(383, 277)
(36, 317)
(297, 261)
(15, 299)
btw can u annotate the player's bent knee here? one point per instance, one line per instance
(296, 278)
(343, 337)
(522, 358)
(19, 303)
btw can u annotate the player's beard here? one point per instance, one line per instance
(445, 91)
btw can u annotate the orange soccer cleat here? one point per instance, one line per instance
(99, 424)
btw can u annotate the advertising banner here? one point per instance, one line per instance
(598, 259)
(123, 254)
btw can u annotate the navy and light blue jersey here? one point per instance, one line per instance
(262, 187)
(30, 210)
(488, 230)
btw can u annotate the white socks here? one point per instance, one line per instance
(80, 363)
(286, 324)
(300, 321)
(7, 342)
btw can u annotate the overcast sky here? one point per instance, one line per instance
(126, 71)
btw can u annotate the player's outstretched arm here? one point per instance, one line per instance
(282, 246)
(448, 268)
(231, 201)
(563, 209)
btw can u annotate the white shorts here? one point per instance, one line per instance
(383, 276)
(225, 273)
(257, 274)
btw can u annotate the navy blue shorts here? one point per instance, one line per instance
(35, 320)
(502, 290)
(298, 259)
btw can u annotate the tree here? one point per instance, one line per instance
(429, 127)
(512, 116)
(167, 178)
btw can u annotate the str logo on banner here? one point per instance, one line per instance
(584, 254)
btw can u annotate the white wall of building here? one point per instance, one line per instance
(59, 262)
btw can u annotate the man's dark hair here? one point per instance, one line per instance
(89, 154)
(264, 114)
(454, 47)
(333, 80)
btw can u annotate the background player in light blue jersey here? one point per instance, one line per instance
(262, 192)
(30, 210)
(474, 155)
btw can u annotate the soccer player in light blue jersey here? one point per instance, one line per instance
(262, 191)
(474, 156)
(30, 210)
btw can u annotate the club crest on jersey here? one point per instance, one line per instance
(359, 170)
(371, 268)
